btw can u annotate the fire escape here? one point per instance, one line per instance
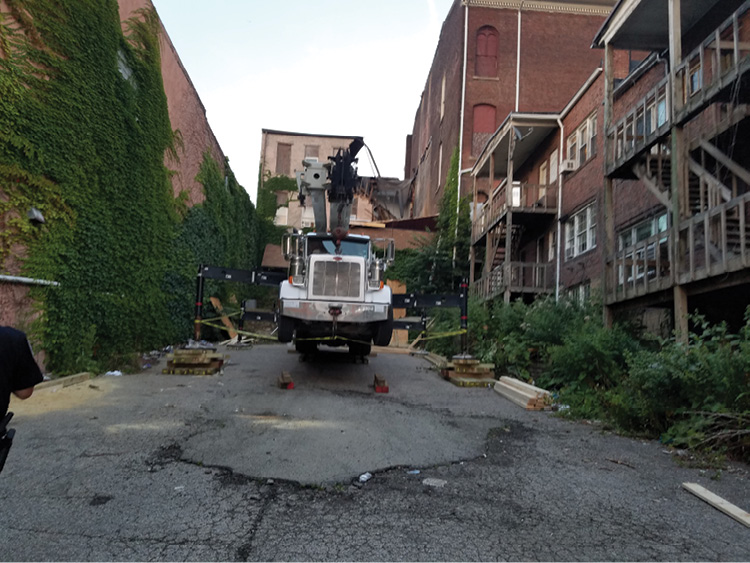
(684, 141)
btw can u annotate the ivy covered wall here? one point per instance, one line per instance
(84, 129)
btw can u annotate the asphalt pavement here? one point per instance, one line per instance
(156, 467)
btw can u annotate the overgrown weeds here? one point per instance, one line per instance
(693, 395)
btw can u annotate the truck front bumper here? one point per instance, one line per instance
(328, 311)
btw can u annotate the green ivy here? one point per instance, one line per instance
(86, 146)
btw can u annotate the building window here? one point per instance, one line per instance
(312, 151)
(580, 232)
(551, 246)
(553, 166)
(442, 98)
(581, 292)
(582, 142)
(484, 126)
(643, 255)
(283, 158)
(543, 174)
(487, 47)
(440, 168)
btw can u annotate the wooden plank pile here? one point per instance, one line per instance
(194, 361)
(524, 394)
(468, 372)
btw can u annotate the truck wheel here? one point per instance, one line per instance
(286, 329)
(384, 331)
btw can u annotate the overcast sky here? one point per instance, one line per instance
(329, 67)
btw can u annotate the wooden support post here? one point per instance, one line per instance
(680, 314)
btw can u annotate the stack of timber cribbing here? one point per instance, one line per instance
(468, 372)
(524, 394)
(194, 361)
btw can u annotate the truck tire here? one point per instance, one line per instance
(384, 330)
(286, 329)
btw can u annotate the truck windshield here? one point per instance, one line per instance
(348, 247)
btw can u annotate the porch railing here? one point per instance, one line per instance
(640, 268)
(716, 241)
(527, 197)
(518, 277)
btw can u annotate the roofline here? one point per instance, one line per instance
(298, 134)
(581, 91)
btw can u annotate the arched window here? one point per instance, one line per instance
(484, 126)
(485, 63)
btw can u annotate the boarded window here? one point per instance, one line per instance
(312, 151)
(486, 56)
(484, 126)
(283, 158)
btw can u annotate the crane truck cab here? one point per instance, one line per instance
(335, 293)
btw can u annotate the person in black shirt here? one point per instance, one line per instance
(19, 371)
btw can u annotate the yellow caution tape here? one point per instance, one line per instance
(242, 332)
(208, 322)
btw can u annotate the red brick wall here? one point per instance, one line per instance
(555, 60)
(186, 114)
(429, 129)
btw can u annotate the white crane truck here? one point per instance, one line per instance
(335, 293)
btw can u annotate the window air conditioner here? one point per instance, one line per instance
(568, 165)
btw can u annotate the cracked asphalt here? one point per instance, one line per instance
(153, 467)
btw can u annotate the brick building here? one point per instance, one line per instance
(642, 177)
(677, 175)
(495, 57)
(281, 154)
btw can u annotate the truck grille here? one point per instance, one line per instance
(336, 279)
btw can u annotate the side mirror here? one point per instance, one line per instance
(390, 252)
(287, 246)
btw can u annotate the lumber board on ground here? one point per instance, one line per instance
(522, 385)
(522, 398)
(513, 394)
(719, 503)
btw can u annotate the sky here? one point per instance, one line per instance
(327, 67)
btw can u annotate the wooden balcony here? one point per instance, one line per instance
(645, 124)
(710, 73)
(715, 65)
(712, 243)
(518, 277)
(524, 198)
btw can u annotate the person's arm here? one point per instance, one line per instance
(24, 393)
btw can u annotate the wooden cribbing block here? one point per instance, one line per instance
(719, 503)
(381, 386)
(285, 380)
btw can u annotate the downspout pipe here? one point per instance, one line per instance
(461, 125)
(27, 281)
(518, 59)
